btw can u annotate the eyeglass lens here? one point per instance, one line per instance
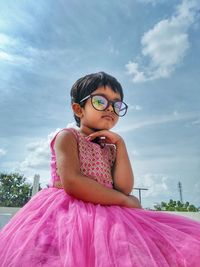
(101, 103)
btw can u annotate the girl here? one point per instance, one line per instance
(87, 218)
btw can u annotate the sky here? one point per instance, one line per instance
(150, 46)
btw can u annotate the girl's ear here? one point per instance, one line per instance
(77, 110)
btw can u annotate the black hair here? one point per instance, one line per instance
(89, 83)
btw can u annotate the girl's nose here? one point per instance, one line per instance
(110, 107)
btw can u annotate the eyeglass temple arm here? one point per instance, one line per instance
(85, 98)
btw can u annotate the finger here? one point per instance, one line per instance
(96, 134)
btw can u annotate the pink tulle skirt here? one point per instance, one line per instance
(54, 229)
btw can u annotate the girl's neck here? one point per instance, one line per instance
(87, 131)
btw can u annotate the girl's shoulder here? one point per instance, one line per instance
(62, 133)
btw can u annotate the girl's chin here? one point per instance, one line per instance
(106, 128)
(102, 128)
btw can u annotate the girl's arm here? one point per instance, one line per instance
(78, 185)
(122, 171)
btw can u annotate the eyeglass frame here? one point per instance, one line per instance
(108, 104)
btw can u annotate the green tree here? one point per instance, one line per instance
(163, 204)
(173, 205)
(192, 208)
(15, 191)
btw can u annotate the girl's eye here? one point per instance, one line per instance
(118, 105)
(99, 101)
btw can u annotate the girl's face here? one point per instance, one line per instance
(93, 119)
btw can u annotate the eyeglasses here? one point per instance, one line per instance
(101, 103)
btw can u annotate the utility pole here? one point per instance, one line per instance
(140, 189)
(180, 191)
(36, 180)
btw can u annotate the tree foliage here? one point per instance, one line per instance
(174, 205)
(15, 191)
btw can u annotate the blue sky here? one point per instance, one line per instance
(150, 46)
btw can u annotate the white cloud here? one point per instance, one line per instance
(176, 113)
(166, 44)
(134, 153)
(110, 46)
(38, 154)
(14, 51)
(19, 52)
(38, 158)
(152, 2)
(72, 125)
(193, 123)
(6, 40)
(158, 120)
(135, 107)
(196, 122)
(133, 69)
(156, 184)
(13, 59)
(2, 152)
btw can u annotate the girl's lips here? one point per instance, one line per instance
(108, 117)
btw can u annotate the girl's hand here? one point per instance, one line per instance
(132, 202)
(110, 137)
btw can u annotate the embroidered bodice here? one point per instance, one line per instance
(95, 161)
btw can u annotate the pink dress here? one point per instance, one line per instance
(56, 230)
